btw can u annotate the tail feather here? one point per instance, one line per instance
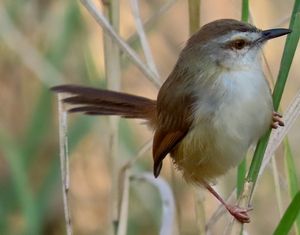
(92, 101)
(95, 110)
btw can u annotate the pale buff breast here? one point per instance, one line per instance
(220, 137)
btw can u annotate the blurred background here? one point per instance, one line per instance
(46, 43)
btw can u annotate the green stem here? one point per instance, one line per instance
(286, 61)
(241, 172)
(245, 10)
(194, 15)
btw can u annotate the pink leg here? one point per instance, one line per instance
(240, 214)
(277, 121)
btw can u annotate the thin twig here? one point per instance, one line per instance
(98, 16)
(168, 204)
(113, 76)
(141, 32)
(145, 147)
(199, 210)
(64, 163)
(29, 55)
(124, 188)
(152, 19)
(278, 192)
(123, 217)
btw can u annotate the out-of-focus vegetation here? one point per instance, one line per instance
(45, 43)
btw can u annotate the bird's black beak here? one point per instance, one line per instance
(274, 33)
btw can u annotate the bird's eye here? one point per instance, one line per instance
(239, 44)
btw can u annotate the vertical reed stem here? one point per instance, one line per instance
(113, 74)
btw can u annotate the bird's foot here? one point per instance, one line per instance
(239, 213)
(277, 120)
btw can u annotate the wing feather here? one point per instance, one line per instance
(174, 117)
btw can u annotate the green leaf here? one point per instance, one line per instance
(21, 186)
(289, 216)
(241, 177)
(287, 58)
(291, 172)
(245, 10)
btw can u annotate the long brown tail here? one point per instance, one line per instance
(92, 101)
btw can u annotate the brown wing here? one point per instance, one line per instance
(163, 143)
(174, 108)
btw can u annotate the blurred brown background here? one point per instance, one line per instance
(45, 43)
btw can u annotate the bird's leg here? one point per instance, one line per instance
(240, 214)
(277, 120)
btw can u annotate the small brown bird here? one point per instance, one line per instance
(213, 106)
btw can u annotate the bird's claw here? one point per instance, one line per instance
(239, 213)
(277, 120)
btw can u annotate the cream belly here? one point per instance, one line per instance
(219, 139)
